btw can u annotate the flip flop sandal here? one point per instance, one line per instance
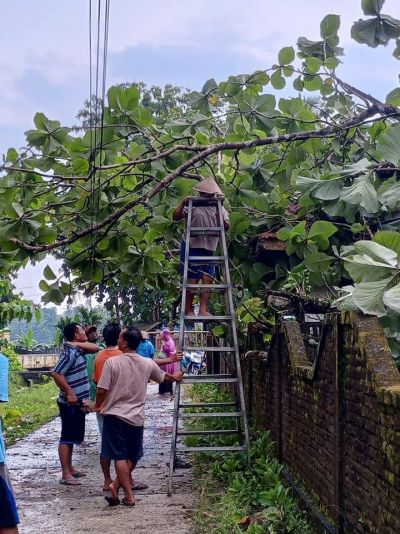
(111, 501)
(70, 482)
(140, 486)
(78, 474)
(128, 503)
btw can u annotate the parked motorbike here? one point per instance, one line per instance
(194, 362)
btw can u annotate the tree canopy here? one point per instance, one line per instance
(318, 172)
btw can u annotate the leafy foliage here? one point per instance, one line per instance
(29, 408)
(375, 268)
(10, 353)
(12, 306)
(321, 172)
(43, 328)
(379, 29)
(239, 497)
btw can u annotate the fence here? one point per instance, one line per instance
(38, 361)
(335, 422)
(192, 338)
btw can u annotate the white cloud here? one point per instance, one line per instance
(51, 38)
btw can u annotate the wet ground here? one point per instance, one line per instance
(48, 507)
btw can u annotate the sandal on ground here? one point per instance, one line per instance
(128, 503)
(111, 501)
(78, 474)
(181, 464)
(139, 486)
(70, 482)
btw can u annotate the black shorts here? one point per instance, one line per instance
(72, 424)
(120, 440)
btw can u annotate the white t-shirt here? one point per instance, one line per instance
(125, 379)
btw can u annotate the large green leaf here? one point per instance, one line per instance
(391, 197)
(391, 298)
(322, 189)
(372, 7)
(376, 31)
(388, 239)
(362, 268)
(388, 146)
(277, 80)
(286, 55)
(362, 193)
(368, 296)
(48, 273)
(324, 228)
(393, 97)
(317, 262)
(330, 25)
(377, 252)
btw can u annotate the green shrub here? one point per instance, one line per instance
(12, 356)
(235, 497)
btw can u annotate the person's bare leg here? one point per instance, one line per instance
(205, 295)
(124, 469)
(189, 310)
(65, 455)
(106, 468)
(9, 530)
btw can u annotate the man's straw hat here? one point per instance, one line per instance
(208, 186)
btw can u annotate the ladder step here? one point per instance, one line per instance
(215, 375)
(204, 201)
(205, 380)
(187, 415)
(216, 287)
(205, 404)
(209, 349)
(211, 449)
(208, 317)
(207, 432)
(202, 259)
(205, 230)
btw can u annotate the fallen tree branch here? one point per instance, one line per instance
(308, 304)
(372, 114)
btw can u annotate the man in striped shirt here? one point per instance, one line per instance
(70, 375)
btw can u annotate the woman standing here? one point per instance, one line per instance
(169, 349)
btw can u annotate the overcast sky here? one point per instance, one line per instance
(44, 60)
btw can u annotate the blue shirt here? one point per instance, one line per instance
(72, 365)
(146, 349)
(4, 366)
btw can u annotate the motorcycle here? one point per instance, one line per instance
(194, 362)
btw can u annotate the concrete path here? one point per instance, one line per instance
(48, 507)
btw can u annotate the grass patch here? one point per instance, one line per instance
(235, 498)
(28, 409)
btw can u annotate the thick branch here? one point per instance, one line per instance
(309, 304)
(382, 110)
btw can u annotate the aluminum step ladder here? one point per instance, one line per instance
(234, 411)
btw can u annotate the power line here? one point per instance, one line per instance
(96, 169)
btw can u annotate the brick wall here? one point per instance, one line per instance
(336, 423)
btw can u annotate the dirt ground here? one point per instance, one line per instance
(46, 506)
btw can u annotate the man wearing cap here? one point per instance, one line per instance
(201, 245)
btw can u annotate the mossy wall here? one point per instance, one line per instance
(336, 423)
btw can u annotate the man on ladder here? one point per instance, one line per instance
(201, 245)
(207, 220)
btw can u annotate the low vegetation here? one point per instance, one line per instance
(235, 498)
(28, 409)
